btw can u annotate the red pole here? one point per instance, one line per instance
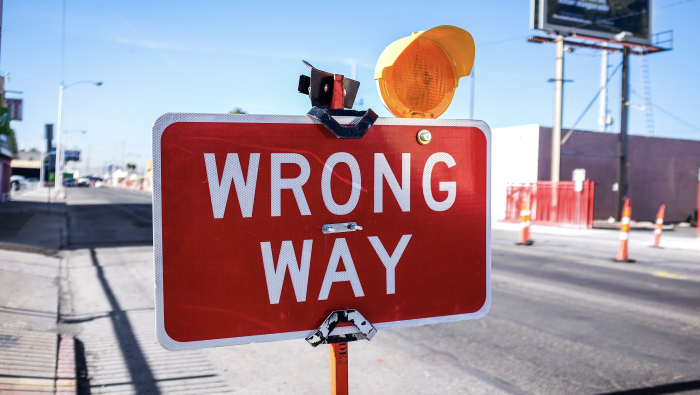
(339, 369)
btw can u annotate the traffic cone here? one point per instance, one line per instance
(524, 238)
(624, 233)
(659, 225)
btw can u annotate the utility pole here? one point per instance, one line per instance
(558, 109)
(3, 93)
(603, 118)
(471, 100)
(556, 129)
(58, 173)
(623, 185)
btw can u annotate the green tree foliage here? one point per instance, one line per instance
(131, 166)
(237, 110)
(12, 140)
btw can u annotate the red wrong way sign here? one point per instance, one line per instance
(264, 225)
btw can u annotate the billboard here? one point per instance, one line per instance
(68, 155)
(15, 106)
(595, 18)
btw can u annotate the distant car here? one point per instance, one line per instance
(17, 181)
(83, 182)
(69, 182)
(99, 184)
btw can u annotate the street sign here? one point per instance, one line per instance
(264, 225)
(71, 155)
(68, 155)
(15, 106)
(578, 176)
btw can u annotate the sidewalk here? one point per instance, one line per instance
(679, 238)
(30, 345)
(29, 224)
(28, 314)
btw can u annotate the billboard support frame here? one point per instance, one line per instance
(631, 46)
(604, 45)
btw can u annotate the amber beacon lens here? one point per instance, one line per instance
(417, 75)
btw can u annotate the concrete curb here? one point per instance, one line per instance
(30, 249)
(667, 241)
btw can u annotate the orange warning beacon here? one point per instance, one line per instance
(417, 75)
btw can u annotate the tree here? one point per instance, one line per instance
(131, 166)
(33, 149)
(12, 139)
(237, 110)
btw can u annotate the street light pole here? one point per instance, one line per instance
(58, 173)
(59, 133)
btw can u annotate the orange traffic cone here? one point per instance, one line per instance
(659, 225)
(524, 238)
(624, 233)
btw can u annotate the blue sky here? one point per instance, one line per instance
(212, 56)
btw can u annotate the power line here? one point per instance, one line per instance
(686, 123)
(501, 41)
(590, 104)
(674, 4)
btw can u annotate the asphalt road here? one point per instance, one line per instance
(100, 217)
(565, 319)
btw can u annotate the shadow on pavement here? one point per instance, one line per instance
(109, 225)
(139, 370)
(41, 228)
(32, 226)
(672, 388)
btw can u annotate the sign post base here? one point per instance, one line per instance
(339, 344)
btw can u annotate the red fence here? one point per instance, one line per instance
(564, 213)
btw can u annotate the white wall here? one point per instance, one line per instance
(514, 155)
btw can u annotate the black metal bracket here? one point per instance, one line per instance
(344, 132)
(323, 334)
(319, 87)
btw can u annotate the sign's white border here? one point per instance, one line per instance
(168, 119)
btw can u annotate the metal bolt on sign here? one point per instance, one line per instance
(424, 136)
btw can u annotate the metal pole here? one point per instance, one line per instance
(556, 129)
(558, 99)
(339, 369)
(1, 27)
(622, 181)
(603, 118)
(578, 210)
(471, 100)
(58, 173)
